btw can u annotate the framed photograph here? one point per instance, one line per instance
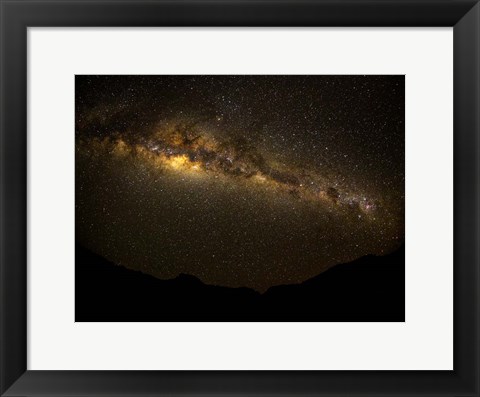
(250, 198)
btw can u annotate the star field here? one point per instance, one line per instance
(239, 180)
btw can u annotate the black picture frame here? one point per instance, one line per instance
(18, 15)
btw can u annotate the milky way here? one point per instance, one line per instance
(239, 180)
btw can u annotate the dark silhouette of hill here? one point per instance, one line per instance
(368, 289)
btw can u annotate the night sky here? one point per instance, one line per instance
(241, 181)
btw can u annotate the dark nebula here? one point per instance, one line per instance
(240, 181)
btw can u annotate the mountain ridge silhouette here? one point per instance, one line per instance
(370, 288)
